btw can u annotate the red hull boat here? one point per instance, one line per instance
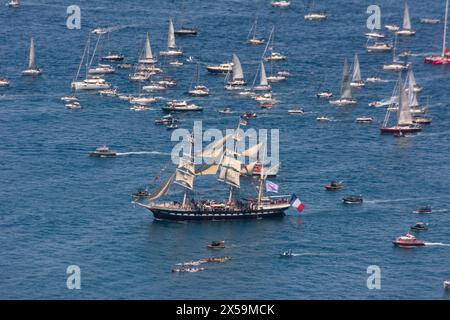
(408, 240)
(399, 130)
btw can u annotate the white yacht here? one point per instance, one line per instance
(224, 68)
(90, 84)
(238, 81)
(4, 82)
(142, 100)
(392, 27)
(378, 47)
(356, 82)
(280, 4)
(172, 50)
(102, 69)
(275, 56)
(33, 69)
(263, 82)
(374, 35)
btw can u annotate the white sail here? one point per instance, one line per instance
(238, 74)
(32, 57)
(252, 151)
(444, 40)
(263, 79)
(406, 18)
(346, 90)
(356, 70)
(411, 78)
(162, 190)
(412, 96)
(215, 148)
(208, 170)
(187, 165)
(404, 113)
(148, 54)
(171, 36)
(230, 177)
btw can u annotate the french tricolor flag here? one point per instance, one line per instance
(296, 203)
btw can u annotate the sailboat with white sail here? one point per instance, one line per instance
(404, 122)
(411, 79)
(196, 89)
(444, 57)
(238, 81)
(406, 28)
(147, 57)
(172, 50)
(346, 98)
(357, 82)
(90, 82)
(263, 82)
(228, 166)
(33, 69)
(252, 38)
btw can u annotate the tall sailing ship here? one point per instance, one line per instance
(229, 170)
(444, 57)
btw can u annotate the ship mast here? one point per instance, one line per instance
(235, 138)
(445, 29)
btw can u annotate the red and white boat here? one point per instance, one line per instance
(444, 58)
(404, 122)
(408, 241)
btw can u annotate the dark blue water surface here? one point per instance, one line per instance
(59, 207)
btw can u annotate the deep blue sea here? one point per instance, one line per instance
(59, 207)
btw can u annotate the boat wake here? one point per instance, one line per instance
(310, 254)
(141, 152)
(401, 200)
(437, 244)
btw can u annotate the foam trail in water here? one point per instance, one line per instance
(141, 152)
(402, 200)
(437, 244)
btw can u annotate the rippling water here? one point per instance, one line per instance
(60, 207)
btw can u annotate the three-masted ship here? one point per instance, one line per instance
(229, 170)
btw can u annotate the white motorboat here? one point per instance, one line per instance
(90, 84)
(224, 68)
(392, 27)
(324, 119)
(139, 108)
(266, 97)
(375, 79)
(176, 63)
(4, 82)
(172, 50)
(113, 57)
(379, 47)
(275, 56)
(69, 98)
(33, 69)
(374, 35)
(13, 4)
(142, 100)
(100, 31)
(324, 95)
(108, 92)
(176, 105)
(102, 69)
(73, 105)
(315, 16)
(364, 119)
(199, 91)
(154, 87)
(296, 111)
(280, 4)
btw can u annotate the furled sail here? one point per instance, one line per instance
(148, 49)
(346, 90)
(162, 190)
(32, 57)
(406, 18)
(171, 36)
(404, 113)
(356, 70)
(263, 78)
(238, 73)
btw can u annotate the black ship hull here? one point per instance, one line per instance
(176, 215)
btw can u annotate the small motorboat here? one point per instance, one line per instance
(429, 21)
(166, 119)
(73, 105)
(284, 73)
(176, 63)
(188, 270)
(276, 78)
(392, 27)
(315, 16)
(353, 200)
(286, 254)
(226, 111)
(138, 108)
(275, 56)
(113, 57)
(142, 193)
(103, 152)
(218, 259)
(408, 241)
(324, 119)
(375, 79)
(334, 186)
(4, 82)
(108, 92)
(186, 31)
(199, 91)
(419, 226)
(13, 4)
(69, 98)
(249, 115)
(217, 245)
(422, 120)
(426, 209)
(266, 105)
(379, 47)
(125, 66)
(99, 31)
(296, 111)
(280, 4)
(446, 284)
(364, 119)
(172, 126)
(374, 35)
(324, 95)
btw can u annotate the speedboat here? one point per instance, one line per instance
(4, 82)
(102, 69)
(280, 4)
(223, 68)
(166, 119)
(256, 41)
(90, 84)
(408, 241)
(125, 66)
(275, 56)
(419, 226)
(188, 270)
(73, 105)
(286, 254)
(249, 115)
(429, 21)
(396, 66)
(334, 186)
(379, 47)
(154, 87)
(392, 27)
(186, 31)
(425, 209)
(199, 91)
(446, 284)
(167, 82)
(138, 108)
(171, 126)
(176, 105)
(99, 31)
(315, 16)
(217, 245)
(364, 119)
(113, 57)
(103, 152)
(373, 34)
(296, 111)
(108, 92)
(343, 102)
(324, 119)
(176, 63)
(142, 100)
(266, 105)
(284, 73)
(353, 200)
(69, 98)
(226, 111)
(324, 95)
(276, 78)
(357, 84)
(375, 79)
